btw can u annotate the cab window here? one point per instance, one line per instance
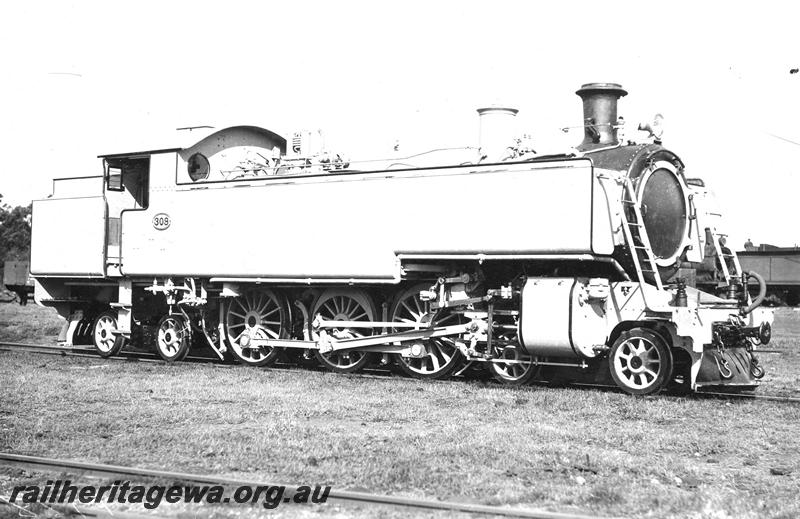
(129, 175)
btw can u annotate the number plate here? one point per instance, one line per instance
(161, 221)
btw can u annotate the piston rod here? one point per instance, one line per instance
(361, 342)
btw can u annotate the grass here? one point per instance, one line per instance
(563, 449)
(29, 323)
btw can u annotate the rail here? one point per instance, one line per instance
(117, 471)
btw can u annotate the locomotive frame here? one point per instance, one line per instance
(575, 261)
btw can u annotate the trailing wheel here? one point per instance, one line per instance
(441, 354)
(83, 332)
(174, 338)
(640, 362)
(256, 315)
(104, 338)
(345, 305)
(520, 368)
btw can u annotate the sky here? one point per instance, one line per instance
(79, 79)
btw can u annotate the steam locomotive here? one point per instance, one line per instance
(582, 264)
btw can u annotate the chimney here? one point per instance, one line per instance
(600, 114)
(497, 132)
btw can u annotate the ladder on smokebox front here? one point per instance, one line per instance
(724, 257)
(638, 241)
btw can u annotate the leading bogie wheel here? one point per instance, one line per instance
(174, 338)
(520, 367)
(345, 305)
(640, 362)
(104, 337)
(441, 354)
(256, 315)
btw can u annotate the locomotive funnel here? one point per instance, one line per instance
(599, 114)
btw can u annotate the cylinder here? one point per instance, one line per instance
(599, 114)
(497, 132)
(564, 317)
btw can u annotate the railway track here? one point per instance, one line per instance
(133, 356)
(73, 351)
(140, 356)
(96, 470)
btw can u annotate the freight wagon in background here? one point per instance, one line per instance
(529, 265)
(17, 278)
(780, 267)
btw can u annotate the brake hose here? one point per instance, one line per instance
(762, 292)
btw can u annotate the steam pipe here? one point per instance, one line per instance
(762, 292)
(615, 264)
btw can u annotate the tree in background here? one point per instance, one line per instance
(15, 232)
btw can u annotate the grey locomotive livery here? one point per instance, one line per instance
(576, 265)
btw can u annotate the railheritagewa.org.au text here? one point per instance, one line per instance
(152, 496)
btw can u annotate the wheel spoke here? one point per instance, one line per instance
(450, 341)
(435, 361)
(410, 311)
(445, 319)
(263, 306)
(350, 305)
(444, 345)
(263, 315)
(439, 352)
(416, 303)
